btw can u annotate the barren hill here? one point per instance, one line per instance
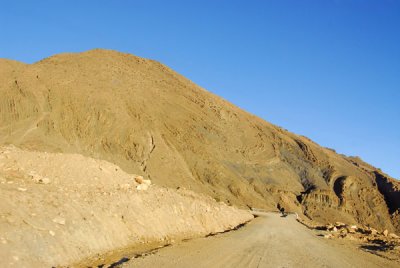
(146, 118)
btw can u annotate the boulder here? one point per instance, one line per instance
(351, 230)
(385, 233)
(394, 236)
(142, 187)
(343, 235)
(148, 182)
(331, 228)
(340, 225)
(369, 231)
(139, 179)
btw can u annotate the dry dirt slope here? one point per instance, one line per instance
(146, 118)
(60, 209)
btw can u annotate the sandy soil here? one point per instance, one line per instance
(268, 241)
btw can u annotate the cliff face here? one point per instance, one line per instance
(146, 118)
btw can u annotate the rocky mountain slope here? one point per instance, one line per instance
(146, 118)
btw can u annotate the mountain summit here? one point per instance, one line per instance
(148, 119)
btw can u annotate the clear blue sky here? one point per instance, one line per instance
(326, 69)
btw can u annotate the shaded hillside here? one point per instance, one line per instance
(146, 118)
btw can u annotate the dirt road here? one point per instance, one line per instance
(268, 241)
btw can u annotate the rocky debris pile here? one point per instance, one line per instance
(365, 233)
(138, 183)
(143, 184)
(379, 242)
(382, 243)
(60, 209)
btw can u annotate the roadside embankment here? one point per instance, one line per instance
(60, 209)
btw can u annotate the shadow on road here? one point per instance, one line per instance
(378, 245)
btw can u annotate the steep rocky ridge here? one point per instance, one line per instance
(146, 118)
